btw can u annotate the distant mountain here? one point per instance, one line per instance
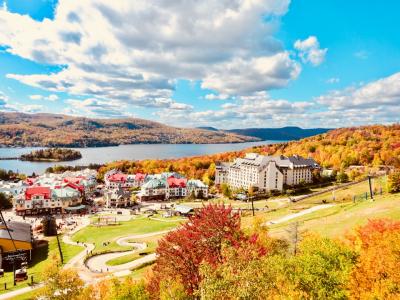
(280, 134)
(53, 130)
(208, 128)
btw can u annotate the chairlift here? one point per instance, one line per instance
(21, 274)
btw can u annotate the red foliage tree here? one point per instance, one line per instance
(181, 252)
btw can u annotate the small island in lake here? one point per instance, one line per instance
(52, 154)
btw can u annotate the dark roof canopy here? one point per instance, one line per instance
(20, 231)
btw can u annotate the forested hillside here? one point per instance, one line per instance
(52, 130)
(279, 134)
(367, 145)
(338, 149)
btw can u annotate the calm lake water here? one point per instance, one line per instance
(101, 155)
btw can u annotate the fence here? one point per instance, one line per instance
(366, 195)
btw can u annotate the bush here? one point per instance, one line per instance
(5, 201)
(342, 177)
(394, 182)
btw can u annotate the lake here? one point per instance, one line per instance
(101, 155)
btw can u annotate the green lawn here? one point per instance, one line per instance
(105, 234)
(40, 258)
(139, 273)
(151, 242)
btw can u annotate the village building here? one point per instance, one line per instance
(13, 188)
(197, 187)
(45, 200)
(267, 173)
(154, 189)
(176, 188)
(117, 197)
(114, 179)
(170, 185)
(221, 172)
(53, 193)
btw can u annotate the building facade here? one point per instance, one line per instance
(44, 200)
(169, 186)
(268, 173)
(118, 197)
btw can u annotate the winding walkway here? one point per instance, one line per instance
(98, 263)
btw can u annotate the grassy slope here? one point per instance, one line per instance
(338, 196)
(341, 219)
(99, 235)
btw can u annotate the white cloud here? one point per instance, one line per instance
(51, 97)
(217, 97)
(92, 107)
(253, 110)
(362, 54)
(5, 103)
(375, 102)
(3, 98)
(36, 97)
(310, 51)
(382, 92)
(333, 80)
(242, 76)
(30, 108)
(135, 51)
(4, 6)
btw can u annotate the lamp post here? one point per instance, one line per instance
(252, 204)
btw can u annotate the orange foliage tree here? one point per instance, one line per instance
(376, 274)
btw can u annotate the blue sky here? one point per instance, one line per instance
(228, 64)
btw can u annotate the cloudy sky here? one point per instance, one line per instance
(223, 63)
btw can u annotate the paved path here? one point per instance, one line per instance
(98, 263)
(164, 220)
(299, 214)
(18, 292)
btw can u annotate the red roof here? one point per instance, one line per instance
(37, 190)
(176, 182)
(78, 187)
(30, 180)
(75, 180)
(118, 177)
(139, 176)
